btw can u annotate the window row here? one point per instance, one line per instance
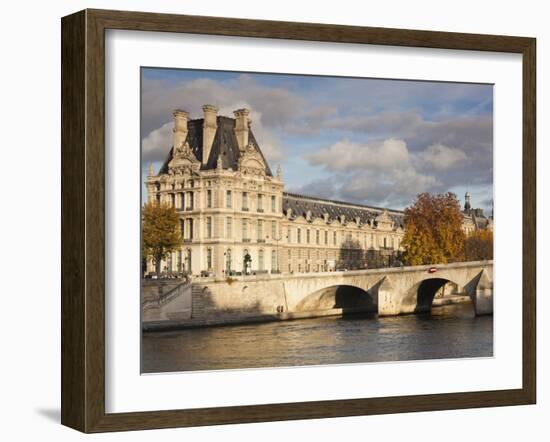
(186, 200)
(310, 236)
(187, 229)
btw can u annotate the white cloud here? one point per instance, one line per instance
(382, 173)
(415, 151)
(441, 157)
(156, 145)
(347, 155)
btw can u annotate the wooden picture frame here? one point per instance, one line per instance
(83, 220)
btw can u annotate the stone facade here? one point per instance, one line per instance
(387, 292)
(235, 217)
(474, 219)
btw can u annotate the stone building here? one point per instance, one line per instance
(235, 216)
(474, 219)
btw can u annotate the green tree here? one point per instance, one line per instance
(160, 232)
(433, 230)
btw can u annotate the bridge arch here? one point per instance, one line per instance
(347, 297)
(422, 294)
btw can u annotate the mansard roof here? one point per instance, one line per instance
(301, 204)
(477, 217)
(224, 146)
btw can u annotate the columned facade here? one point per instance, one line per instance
(235, 217)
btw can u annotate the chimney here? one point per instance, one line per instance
(180, 127)
(241, 127)
(208, 130)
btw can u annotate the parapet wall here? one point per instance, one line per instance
(277, 297)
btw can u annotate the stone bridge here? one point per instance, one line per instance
(388, 291)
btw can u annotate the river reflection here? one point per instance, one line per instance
(448, 332)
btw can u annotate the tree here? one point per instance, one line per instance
(433, 230)
(161, 233)
(479, 246)
(247, 261)
(351, 255)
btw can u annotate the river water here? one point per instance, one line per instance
(448, 332)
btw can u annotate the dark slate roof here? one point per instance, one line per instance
(300, 204)
(477, 217)
(224, 145)
(481, 222)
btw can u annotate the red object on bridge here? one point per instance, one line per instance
(432, 270)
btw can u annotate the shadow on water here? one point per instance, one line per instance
(450, 331)
(356, 316)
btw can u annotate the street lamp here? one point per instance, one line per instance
(277, 239)
(247, 260)
(227, 259)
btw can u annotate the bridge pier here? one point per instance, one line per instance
(389, 292)
(483, 299)
(388, 298)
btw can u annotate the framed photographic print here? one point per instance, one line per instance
(270, 220)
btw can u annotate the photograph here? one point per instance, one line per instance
(302, 220)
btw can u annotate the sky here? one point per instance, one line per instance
(378, 142)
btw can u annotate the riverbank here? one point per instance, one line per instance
(172, 325)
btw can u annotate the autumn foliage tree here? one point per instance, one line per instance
(433, 230)
(160, 232)
(479, 246)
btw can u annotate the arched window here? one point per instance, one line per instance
(208, 259)
(261, 260)
(209, 227)
(229, 228)
(228, 199)
(169, 263)
(273, 261)
(188, 263)
(228, 261)
(179, 258)
(182, 227)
